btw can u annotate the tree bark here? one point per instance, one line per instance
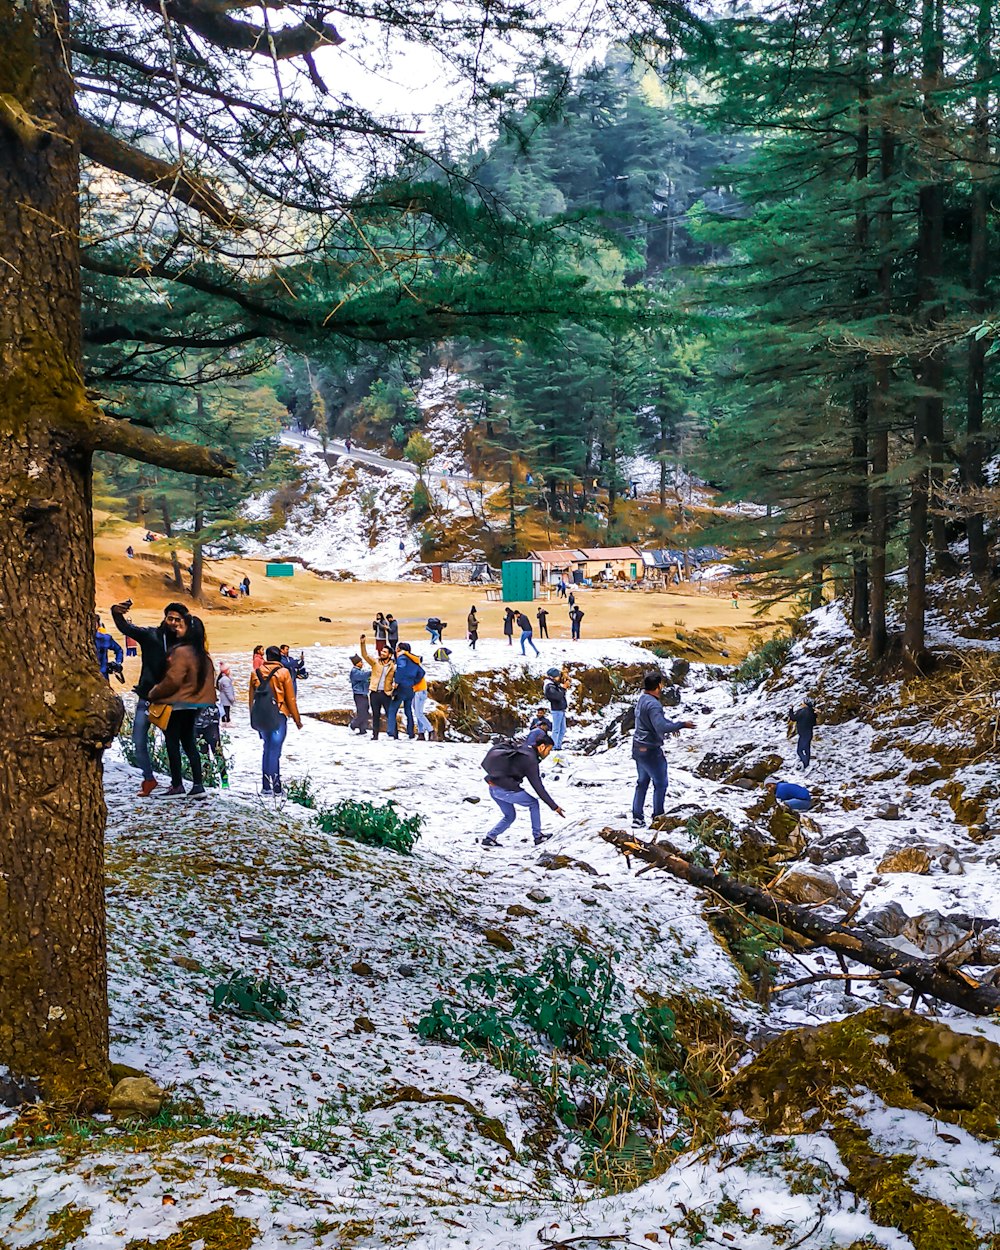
(933, 978)
(58, 712)
(168, 530)
(860, 617)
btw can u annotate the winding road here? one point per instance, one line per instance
(310, 442)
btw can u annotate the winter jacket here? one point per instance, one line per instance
(181, 684)
(360, 677)
(281, 684)
(556, 696)
(508, 768)
(381, 630)
(472, 623)
(226, 689)
(258, 660)
(383, 674)
(804, 719)
(104, 643)
(651, 724)
(153, 643)
(408, 672)
(523, 624)
(785, 790)
(417, 659)
(393, 633)
(508, 624)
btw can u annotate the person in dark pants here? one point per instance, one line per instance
(153, 643)
(188, 686)
(507, 768)
(543, 623)
(509, 616)
(651, 727)
(105, 646)
(472, 624)
(392, 631)
(524, 625)
(360, 685)
(407, 673)
(575, 617)
(803, 718)
(381, 682)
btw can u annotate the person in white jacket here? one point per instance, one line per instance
(227, 692)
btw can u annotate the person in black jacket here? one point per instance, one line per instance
(153, 644)
(507, 768)
(803, 718)
(392, 629)
(555, 691)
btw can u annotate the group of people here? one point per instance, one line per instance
(239, 591)
(394, 681)
(515, 619)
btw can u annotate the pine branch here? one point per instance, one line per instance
(125, 439)
(231, 35)
(31, 132)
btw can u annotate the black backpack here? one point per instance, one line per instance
(502, 752)
(265, 715)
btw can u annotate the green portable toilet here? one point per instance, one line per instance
(280, 570)
(518, 581)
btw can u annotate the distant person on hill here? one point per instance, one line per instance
(130, 552)
(360, 684)
(651, 728)
(258, 657)
(524, 625)
(381, 682)
(543, 622)
(736, 598)
(509, 617)
(245, 583)
(407, 674)
(803, 719)
(380, 629)
(555, 691)
(272, 702)
(153, 643)
(226, 691)
(187, 686)
(795, 798)
(472, 624)
(575, 617)
(106, 646)
(392, 631)
(347, 444)
(507, 768)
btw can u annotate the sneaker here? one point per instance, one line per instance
(225, 783)
(197, 792)
(148, 786)
(173, 792)
(489, 843)
(638, 822)
(265, 784)
(276, 788)
(542, 837)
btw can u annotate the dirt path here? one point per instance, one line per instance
(698, 625)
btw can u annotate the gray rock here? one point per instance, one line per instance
(407, 970)
(837, 846)
(951, 863)
(886, 921)
(934, 934)
(887, 811)
(136, 1098)
(539, 896)
(807, 885)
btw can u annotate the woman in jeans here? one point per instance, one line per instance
(187, 686)
(279, 678)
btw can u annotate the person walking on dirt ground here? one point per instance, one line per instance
(360, 685)
(795, 798)
(651, 727)
(509, 616)
(227, 692)
(543, 622)
(207, 731)
(803, 719)
(507, 768)
(188, 685)
(555, 691)
(736, 598)
(472, 624)
(561, 588)
(524, 624)
(272, 702)
(381, 682)
(575, 617)
(153, 643)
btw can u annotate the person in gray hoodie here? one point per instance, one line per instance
(360, 683)
(651, 727)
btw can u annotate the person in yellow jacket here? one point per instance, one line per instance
(273, 673)
(382, 682)
(425, 730)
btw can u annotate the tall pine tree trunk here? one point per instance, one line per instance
(860, 617)
(57, 711)
(973, 477)
(168, 530)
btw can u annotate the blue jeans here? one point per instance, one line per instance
(804, 751)
(140, 739)
(419, 701)
(650, 766)
(797, 805)
(273, 742)
(508, 801)
(526, 638)
(434, 633)
(403, 698)
(558, 727)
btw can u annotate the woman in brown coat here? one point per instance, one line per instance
(188, 685)
(274, 674)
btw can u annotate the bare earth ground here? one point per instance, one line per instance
(288, 609)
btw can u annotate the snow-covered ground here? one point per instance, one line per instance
(364, 941)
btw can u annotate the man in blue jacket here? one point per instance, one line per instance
(408, 673)
(105, 645)
(795, 798)
(803, 718)
(360, 683)
(651, 727)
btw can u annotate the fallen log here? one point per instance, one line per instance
(931, 977)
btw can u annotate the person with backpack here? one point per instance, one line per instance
(153, 644)
(226, 691)
(472, 623)
(425, 730)
(187, 686)
(524, 625)
(803, 720)
(407, 674)
(272, 702)
(555, 691)
(575, 617)
(509, 616)
(380, 684)
(360, 681)
(651, 728)
(507, 767)
(543, 622)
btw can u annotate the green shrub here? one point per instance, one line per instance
(760, 664)
(372, 825)
(300, 790)
(211, 773)
(262, 999)
(420, 504)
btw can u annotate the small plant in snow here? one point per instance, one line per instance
(371, 824)
(300, 790)
(262, 999)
